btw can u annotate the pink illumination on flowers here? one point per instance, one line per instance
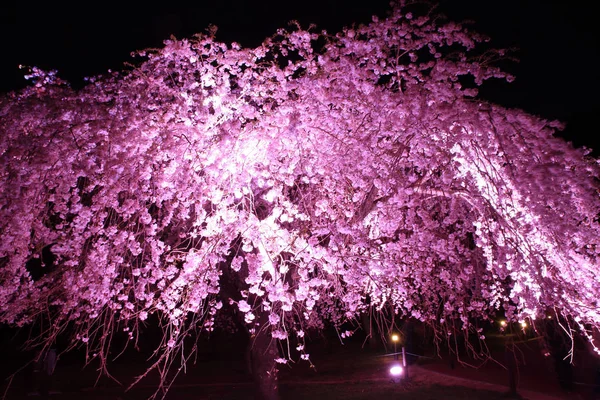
(244, 306)
(274, 319)
(324, 186)
(281, 335)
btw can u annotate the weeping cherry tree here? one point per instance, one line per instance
(308, 180)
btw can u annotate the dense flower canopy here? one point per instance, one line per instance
(331, 172)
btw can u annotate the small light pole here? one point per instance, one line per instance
(404, 363)
(395, 339)
(510, 357)
(523, 326)
(503, 325)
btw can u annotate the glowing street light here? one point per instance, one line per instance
(395, 339)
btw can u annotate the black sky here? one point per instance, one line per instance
(557, 77)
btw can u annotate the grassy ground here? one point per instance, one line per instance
(345, 372)
(296, 391)
(358, 391)
(389, 391)
(342, 375)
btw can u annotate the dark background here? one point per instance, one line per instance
(557, 77)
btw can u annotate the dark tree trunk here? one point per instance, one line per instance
(511, 365)
(262, 348)
(263, 353)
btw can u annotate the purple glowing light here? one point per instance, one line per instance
(396, 370)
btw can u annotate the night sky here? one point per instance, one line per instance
(557, 77)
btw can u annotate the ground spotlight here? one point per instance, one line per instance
(396, 370)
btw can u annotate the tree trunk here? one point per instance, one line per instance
(512, 369)
(263, 353)
(262, 348)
